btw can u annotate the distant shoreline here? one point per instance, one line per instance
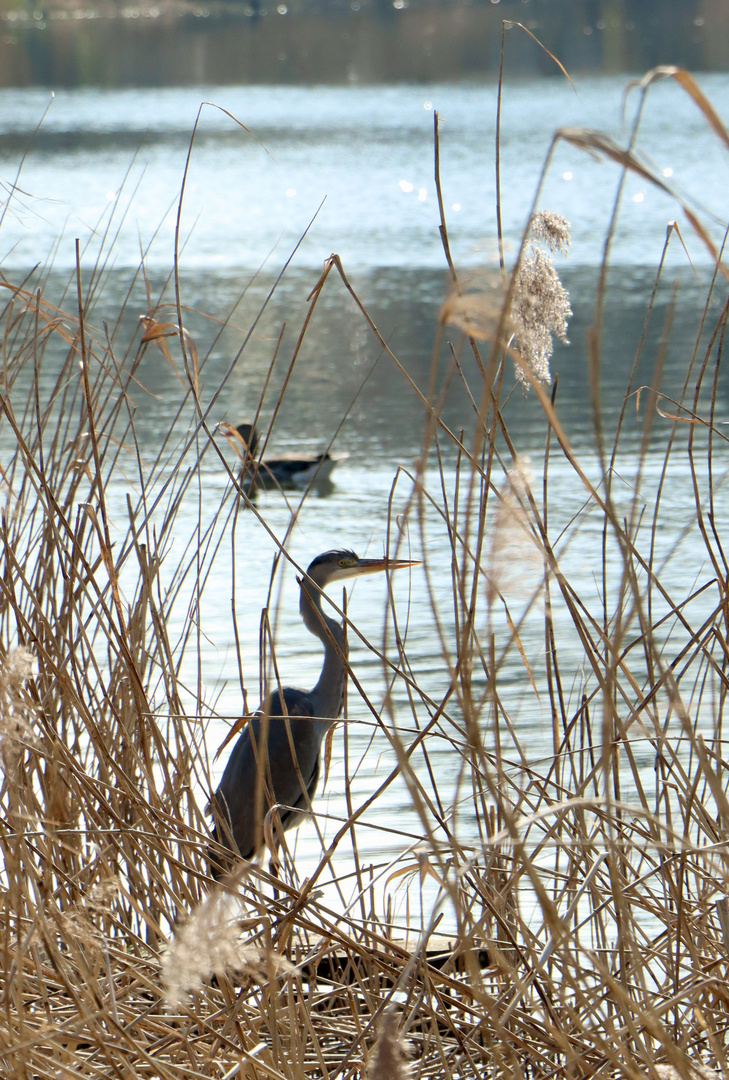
(65, 43)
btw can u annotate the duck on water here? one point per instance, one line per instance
(288, 470)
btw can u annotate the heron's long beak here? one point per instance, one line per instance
(374, 566)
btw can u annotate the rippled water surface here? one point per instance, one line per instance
(359, 160)
(354, 167)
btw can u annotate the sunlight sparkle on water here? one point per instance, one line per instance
(405, 185)
(101, 160)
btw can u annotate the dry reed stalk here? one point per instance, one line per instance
(585, 880)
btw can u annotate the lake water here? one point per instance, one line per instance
(354, 167)
(360, 159)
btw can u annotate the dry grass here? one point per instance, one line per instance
(580, 889)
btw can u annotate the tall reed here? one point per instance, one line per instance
(583, 893)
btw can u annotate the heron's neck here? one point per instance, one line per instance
(327, 694)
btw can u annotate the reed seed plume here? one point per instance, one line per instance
(553, 229)
(540, 306)
(16, 706)
(210, 943)
(522, 863)
(389, 1055)
(85, 921)
(694, 1070)
(514, 562)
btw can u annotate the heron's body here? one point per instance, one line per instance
(282, 785)
(281, 744)
(289, 470)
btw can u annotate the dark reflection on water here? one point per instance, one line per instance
(341, 375)
(340, 358)
(300, 42)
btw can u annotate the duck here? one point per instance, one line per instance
(289, 470)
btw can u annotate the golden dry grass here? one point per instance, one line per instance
(586, 935)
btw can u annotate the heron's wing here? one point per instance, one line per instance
(283, 771)
(233, 802)
(300, 732)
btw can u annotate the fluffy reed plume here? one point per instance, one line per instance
(82, 922)
(388, 1060)
(695, 1071)
(553, 229)
(514, 560)
(17, 666)
(540, 305)
(208, 944)
(575, 832)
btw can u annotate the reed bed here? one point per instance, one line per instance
(569, 913)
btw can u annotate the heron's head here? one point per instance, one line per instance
(337, 565)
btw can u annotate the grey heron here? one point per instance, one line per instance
(276, 760)
(292, 470)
